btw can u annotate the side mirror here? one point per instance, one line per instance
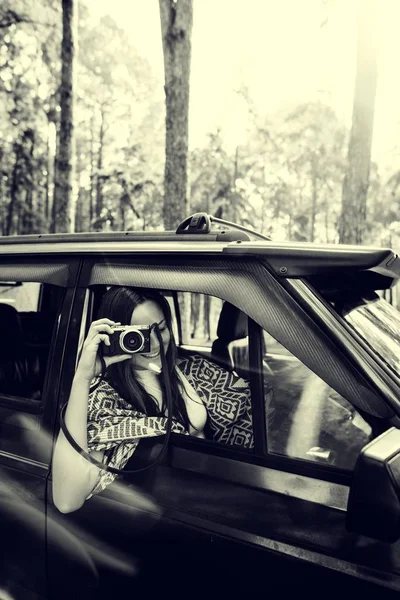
(373, 507)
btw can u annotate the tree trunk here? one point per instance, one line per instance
(314, 180)
(122, 217)
(13, 195)
(92, 176)
(64, 166)
(99, 184)
(327, 221)
(28, 210)
(206, 317)
(176, 28)
(194, 313)
(47, 189)
(233, 196)
(80, 213)
(27, 213)
(356, 180)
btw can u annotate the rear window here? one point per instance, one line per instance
(23, 296)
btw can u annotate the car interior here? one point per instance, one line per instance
(28, 334)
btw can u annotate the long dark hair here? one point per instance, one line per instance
(117, 304)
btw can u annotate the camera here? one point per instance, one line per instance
(128, 339)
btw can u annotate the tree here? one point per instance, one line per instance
(64, 167)
(28, 38)
(315, 156)
(291, 173)
(356, 180)
(120, 128)
(210, 175)
(119, 122)
(176, 27)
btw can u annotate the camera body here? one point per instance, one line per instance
(128, 339)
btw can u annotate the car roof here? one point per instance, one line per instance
(292, 259)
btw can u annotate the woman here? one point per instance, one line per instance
(109, 419)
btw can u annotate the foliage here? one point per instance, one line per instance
(119, 114)
(27, 92)
(285, 179)
(115, 88)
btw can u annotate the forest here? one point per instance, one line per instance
(89, 141)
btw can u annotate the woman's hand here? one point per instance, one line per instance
(89, 365)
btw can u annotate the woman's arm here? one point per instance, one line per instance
(73, 476)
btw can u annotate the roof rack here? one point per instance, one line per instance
(201, 223)
(256, 234)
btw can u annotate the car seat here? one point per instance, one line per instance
(20, 368)
(230, 349)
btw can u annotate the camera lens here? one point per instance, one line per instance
(132, 341)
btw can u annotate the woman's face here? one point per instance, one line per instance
(147, 313)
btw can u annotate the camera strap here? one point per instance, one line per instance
(167, 386)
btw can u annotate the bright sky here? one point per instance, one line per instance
(279, 51)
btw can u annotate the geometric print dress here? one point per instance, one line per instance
(115, 427)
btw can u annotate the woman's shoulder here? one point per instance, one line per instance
(188, 362)
(204, 370)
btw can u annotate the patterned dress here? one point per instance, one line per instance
(116, 428)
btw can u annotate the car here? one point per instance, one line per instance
(307, 499)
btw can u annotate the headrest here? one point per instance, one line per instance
(11, 337)
(232, 324)
(8, 311)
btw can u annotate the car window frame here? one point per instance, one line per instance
(132, 260)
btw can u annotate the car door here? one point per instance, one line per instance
(229, 512)
(35, 300)
(313, 438)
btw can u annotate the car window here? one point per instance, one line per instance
(210, 376)
(305, 417)
(23, 296)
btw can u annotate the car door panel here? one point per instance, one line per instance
(193, 514)
(21, 434)
(107, 539)
(306, 530)
(22, 517)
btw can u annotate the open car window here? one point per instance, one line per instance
(215, 384)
